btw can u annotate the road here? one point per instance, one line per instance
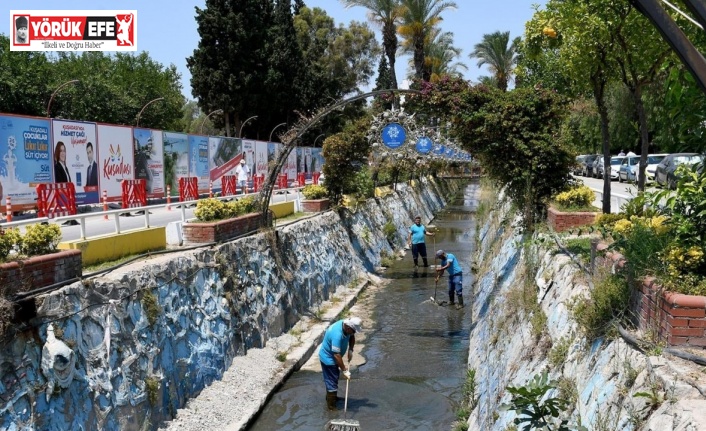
(620, 192)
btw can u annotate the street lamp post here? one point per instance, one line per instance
(204, 120)
(73, 81)
(137, 122)
(240, 132)
(273, 130)
(317, 139)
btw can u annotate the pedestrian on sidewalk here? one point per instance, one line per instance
(450, 263)
(339, 339)
(417, 232)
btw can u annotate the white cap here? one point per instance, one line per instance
(242, 161)
(353, 323)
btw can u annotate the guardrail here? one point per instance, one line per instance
(81, 218)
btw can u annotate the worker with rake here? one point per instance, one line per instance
(339, 339)
(450, 263)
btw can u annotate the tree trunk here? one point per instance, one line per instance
(599, 96)
(644, 136)
(419, 59)
(390, 45)
(226, 114)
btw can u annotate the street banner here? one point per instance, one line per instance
(249, 153)
(176, 159)
(198, 161)
(75, 155)
(116, 162)
(290, 167)
(149, 160)
(25, 159)
(224, 156)
(261, 157)
(73, 30)
(317, 159)
(304, 161)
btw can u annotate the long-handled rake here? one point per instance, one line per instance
(343, 424)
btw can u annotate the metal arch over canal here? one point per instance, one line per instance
(290, 138)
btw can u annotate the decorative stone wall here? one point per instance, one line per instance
(147, 337)
(562, 221)
(605, 375)
(39, 271)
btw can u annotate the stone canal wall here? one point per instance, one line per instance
(125, 350)
(609, 384)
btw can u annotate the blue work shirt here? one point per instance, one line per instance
(454, 268)
(418, 233)
(335, 342)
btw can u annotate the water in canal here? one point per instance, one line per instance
(415, 352)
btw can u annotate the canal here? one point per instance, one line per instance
(409, 365)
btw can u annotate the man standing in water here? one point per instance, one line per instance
(339, 338)
(450, 263)
(417, 232)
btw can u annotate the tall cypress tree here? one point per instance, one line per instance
(298, 5)
(383, 82)
(226, 68)
(285, 67)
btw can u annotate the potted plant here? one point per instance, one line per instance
(315, 198)
(219, 221)
(572, 208)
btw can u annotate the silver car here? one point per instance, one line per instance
(614, 166)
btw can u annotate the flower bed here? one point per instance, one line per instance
(222, 230)
(675, 318)
(39, 271)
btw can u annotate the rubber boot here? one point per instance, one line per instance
(451, 299)
(426, 262)
(460, 302)
(331, 400)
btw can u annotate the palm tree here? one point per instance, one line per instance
(387, 14)
(440, 54)
(418, 20)
(500, 57)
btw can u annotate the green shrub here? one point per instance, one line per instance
(390, 231)
(240, 207)
(607, 302)
(210, 209)
(579, 197)
(580, 247)
(608, 220)
(9, 238)
(314, 191)
(40, 239)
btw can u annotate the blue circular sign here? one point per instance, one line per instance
(440, 150)
(394, 136)
(424, 145)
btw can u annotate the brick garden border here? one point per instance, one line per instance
(675, 318)
(222, 230)
(561, 221)
(39, 271)
(315, 205)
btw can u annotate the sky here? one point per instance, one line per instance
(167, 29)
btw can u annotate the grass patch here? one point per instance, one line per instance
(152, 388)
(607, 302)
(281, 356)
(291, 217)
(558, 354)
(580, 247)
(151, 306)
(108, 263)
(575, 208)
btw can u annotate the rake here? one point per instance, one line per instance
(343, 424)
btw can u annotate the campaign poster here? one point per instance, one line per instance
(176, 159)
(317, 159)
(273, 150)
(116, 159)
(249, 152)
(290, 166)
(260, 158)
(76, 155)
(198, 161)
(304, 161)
(224, 156)
(149, 160)
(25, 159)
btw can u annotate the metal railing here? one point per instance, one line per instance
(145, 212)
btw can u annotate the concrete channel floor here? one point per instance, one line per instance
(232, 403)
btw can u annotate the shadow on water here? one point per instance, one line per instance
(416, 350)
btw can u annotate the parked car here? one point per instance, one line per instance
(578, 166)
(598, 163)
(652, 161)
(628, 168)
(614, 166)
(665, 173)
(587, 169)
